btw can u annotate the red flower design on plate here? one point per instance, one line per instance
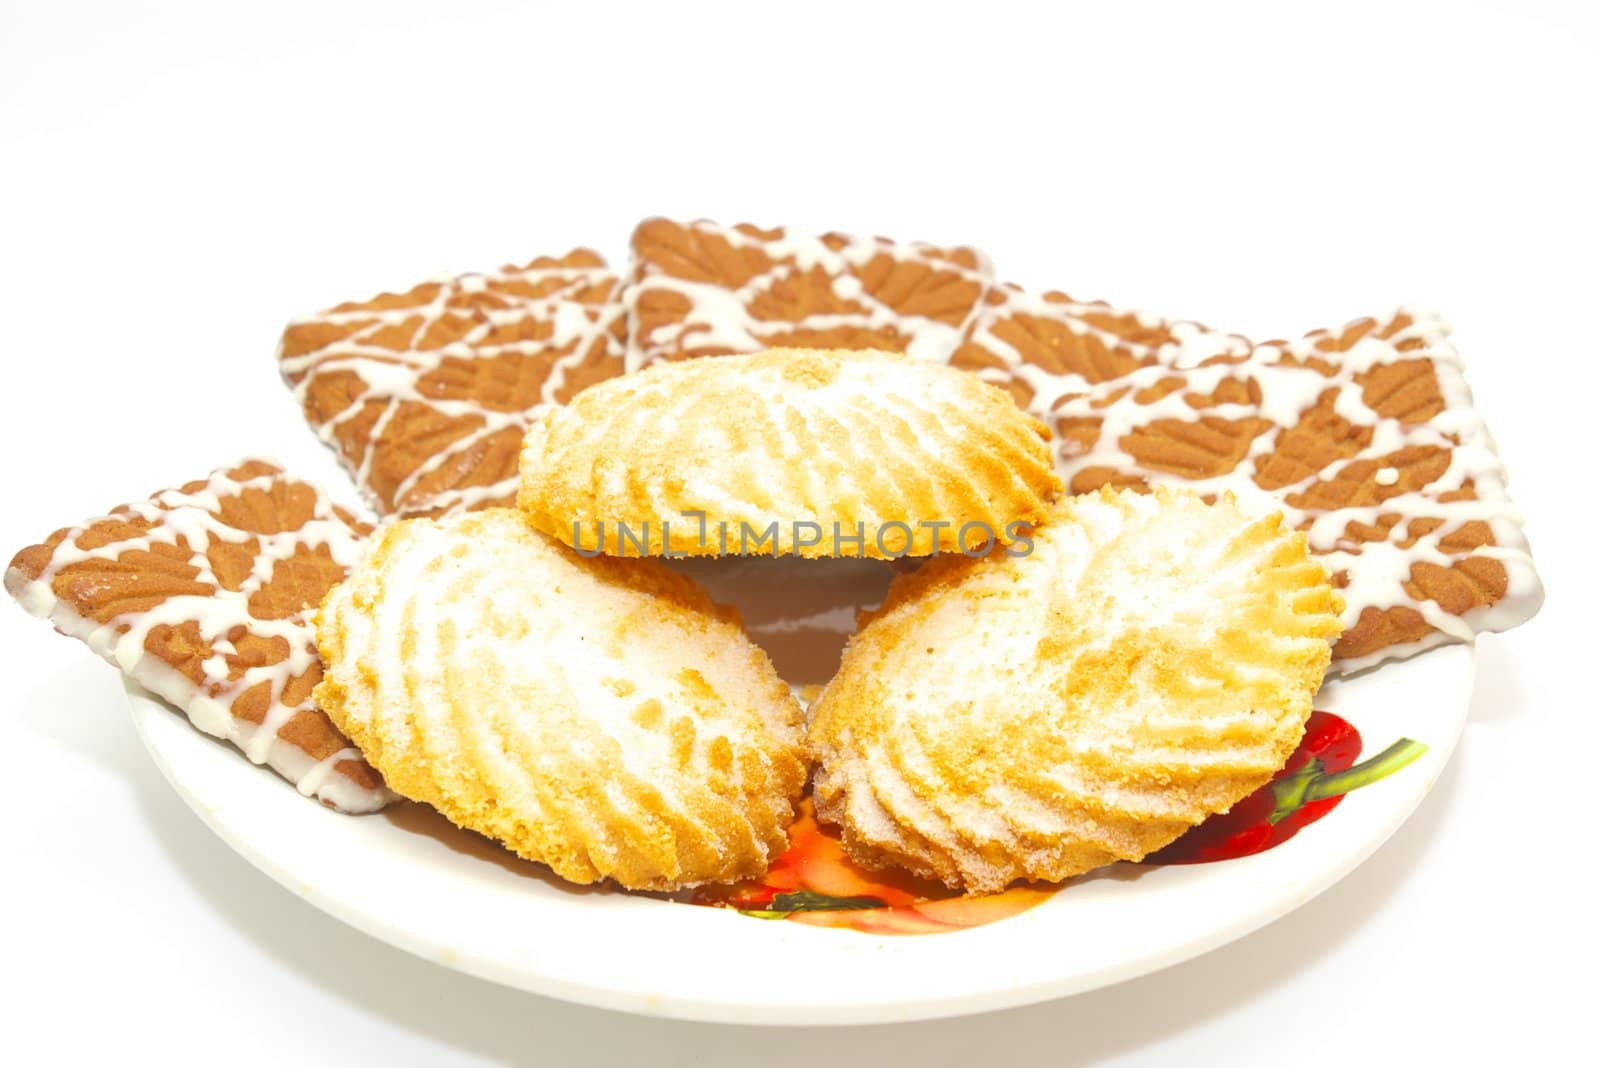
(816, 882)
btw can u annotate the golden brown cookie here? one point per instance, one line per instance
(1365, 437)
(599, 716)
(201, 595)
(1145, 662)
(425, 395)
(792, 451)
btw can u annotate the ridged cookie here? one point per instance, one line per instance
(1149, 662)
(599, 716)
(791, 451)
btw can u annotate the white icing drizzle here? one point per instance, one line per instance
(1377, 572)
(392, 377)
(194, 517)
(720, 317)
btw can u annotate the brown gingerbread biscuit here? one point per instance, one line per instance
(1365, 437)
(202, 595)
(703, 289)
(425, 394)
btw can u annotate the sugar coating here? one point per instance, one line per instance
(1151, 661)
(848, 441)
(599, 716)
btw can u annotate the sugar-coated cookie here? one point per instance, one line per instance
(792, 451)
(600, 716)
(1148, 663)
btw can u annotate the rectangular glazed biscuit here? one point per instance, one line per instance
(1364, 437)
(425, 395)
(702, 289)
(202, 595)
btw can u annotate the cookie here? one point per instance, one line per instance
(600, 716)
(201, 595)
(425, 395)
(1365, 437)
(1149, 660)
(702, 289)
(793, 451)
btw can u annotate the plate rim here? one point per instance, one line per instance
(680, 1006)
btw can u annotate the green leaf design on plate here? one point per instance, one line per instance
(810, 901)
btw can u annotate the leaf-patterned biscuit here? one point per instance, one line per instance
(701, 289)
(1365, 437)
(425, 394)
(202, 595)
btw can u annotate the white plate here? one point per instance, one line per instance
(409, 879)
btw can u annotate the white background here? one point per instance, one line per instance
(175, 183)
